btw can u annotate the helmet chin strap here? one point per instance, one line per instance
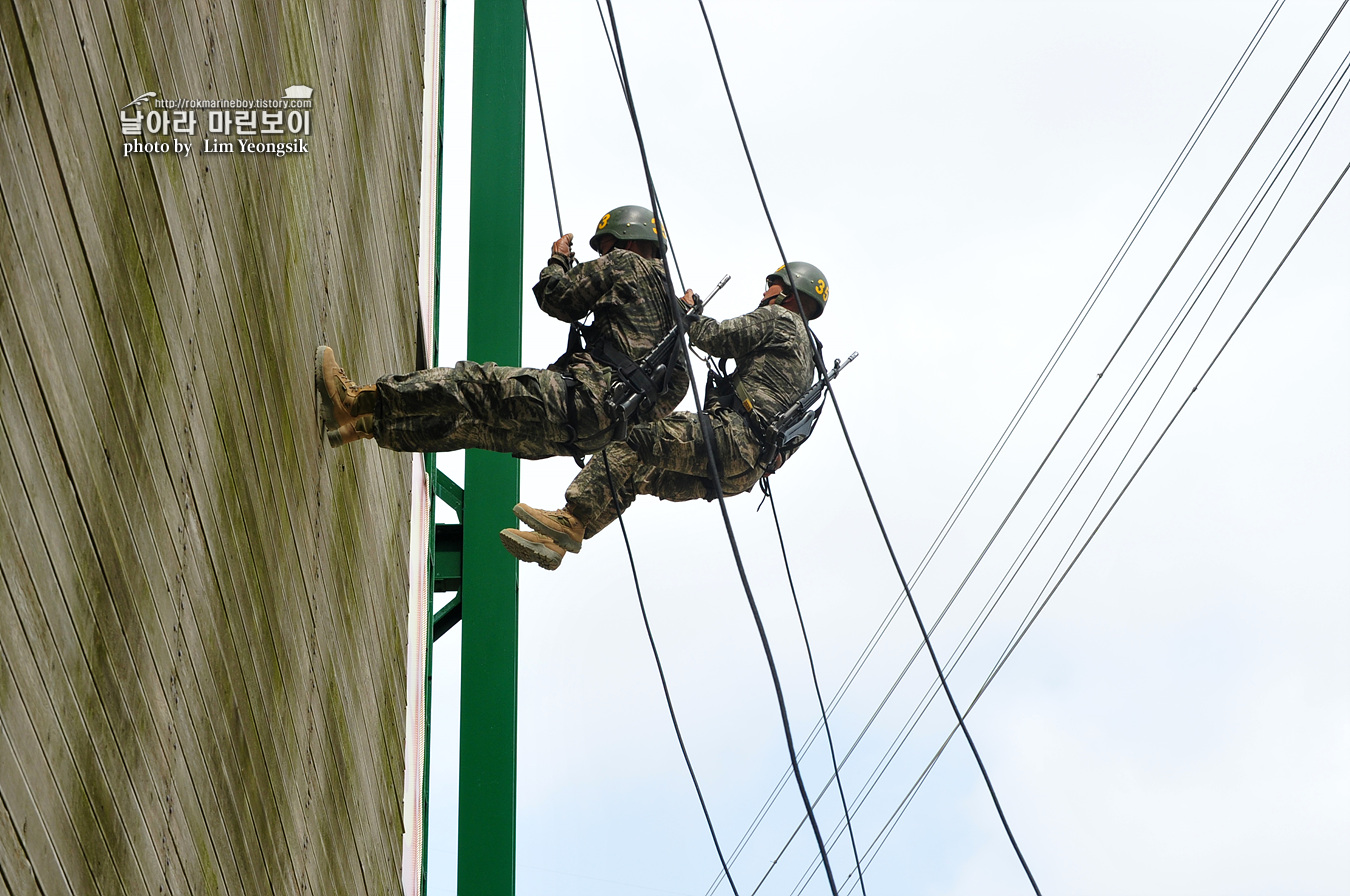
(780, 299)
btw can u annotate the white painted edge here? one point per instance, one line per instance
(415, 720)
(414, 765)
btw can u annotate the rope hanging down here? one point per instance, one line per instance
(820, 363)
(714, 469)
(656, 655)
(657, 211)
(543, 126)
(1229, 243)
(1043, 602)
(1192, 236)
(1015, 420)
(811, 660)
(660, 670)
(1099, 439)
(848, 440)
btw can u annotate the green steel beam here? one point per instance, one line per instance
(447, 617)
(487, 732)
(450, 492)
(448, 551)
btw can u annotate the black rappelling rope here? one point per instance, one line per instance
(534, 67)
(909, 596)
(665, 688)
(820, 363)
(660, 670)
(1163, 342)
(1013, 424)
(810, 658)
(1025, 626)
(604, 26)
(713, 465)
(849, 442)
(623, 85)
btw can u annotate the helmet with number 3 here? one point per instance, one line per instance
(630, 222)
(809, 283)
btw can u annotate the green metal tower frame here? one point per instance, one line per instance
(490, 604)
(465, 556)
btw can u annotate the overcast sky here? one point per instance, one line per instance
(1178, 718)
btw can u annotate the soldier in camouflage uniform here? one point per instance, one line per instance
(667, 457)
(522, 410)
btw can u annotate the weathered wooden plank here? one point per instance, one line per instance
(305, 353)
(112, 673)
(70, 651)
(39, 849)
(143, 713)
(352, 303)
(247, 480)
(94, 791)
(81, 622)
(365, 120)
(269, 765)
(320, 95)
(72, 585)
(16, 871)
(261, 656)
(145, 518)
(265, 830)
(76, 819)
(146, 347)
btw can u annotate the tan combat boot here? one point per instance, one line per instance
(560, 526)
(532, 548)
(362, 427)
(340, 400)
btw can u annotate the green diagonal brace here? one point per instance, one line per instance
(487, 735)
(450, 492)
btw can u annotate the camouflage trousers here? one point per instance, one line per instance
(666, 458)
(518, 410)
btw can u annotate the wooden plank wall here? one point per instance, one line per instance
(202, 608)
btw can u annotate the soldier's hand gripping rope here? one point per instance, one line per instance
(562, 249)
(695, 306)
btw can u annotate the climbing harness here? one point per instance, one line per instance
(637, 386)
(782, 435)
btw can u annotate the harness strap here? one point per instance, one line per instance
(570, 401)
(637, 386)
(610, 355)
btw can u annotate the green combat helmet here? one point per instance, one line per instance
(630, 222)
(809, 282)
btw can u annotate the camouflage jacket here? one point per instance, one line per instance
(772, 350)
(627, 295)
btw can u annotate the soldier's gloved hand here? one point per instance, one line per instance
(562, 252)
(693, 305)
